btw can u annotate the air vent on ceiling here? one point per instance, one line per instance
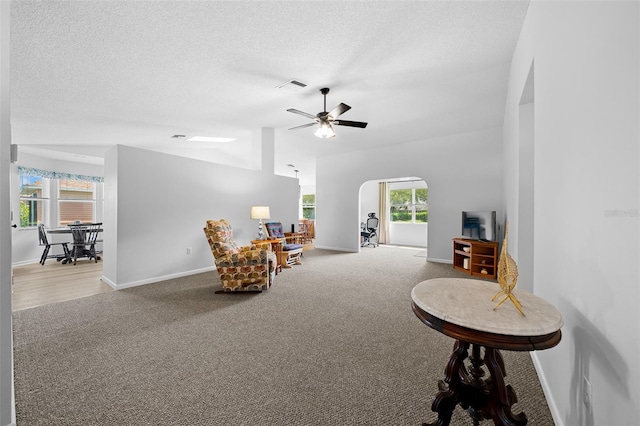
(292, 85)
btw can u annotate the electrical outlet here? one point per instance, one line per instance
(188, 250)
(587, 393)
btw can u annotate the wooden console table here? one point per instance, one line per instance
(462, 308)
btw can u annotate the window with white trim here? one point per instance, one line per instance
(309, 206)
(34, 200)
(76, 201)
(58, 198)
(408, 205)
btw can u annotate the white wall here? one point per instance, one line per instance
(368, 200)
(463, 171)
(7, 412)
(160, 203)
(408, 234)
(585, 57)
(307, 189)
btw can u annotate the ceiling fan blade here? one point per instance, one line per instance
(304, 125)
(350, 123)
(296, 111)
(339, 110)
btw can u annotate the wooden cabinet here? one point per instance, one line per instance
(476, 258)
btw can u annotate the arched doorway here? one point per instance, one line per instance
(401, 205)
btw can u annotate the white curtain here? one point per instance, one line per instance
(383, 213)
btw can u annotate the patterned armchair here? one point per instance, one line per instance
(292, 244)
(245, 268)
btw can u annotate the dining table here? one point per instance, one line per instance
(84, 239)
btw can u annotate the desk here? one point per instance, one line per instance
(273, 245)
(462, 308)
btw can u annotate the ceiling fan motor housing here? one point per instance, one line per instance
(323, 116)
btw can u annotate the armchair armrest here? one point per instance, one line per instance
(247, 257)
(293, 237)
(262, 244)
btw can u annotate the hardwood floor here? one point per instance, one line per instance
(36, 285)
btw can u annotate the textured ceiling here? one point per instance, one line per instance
(86, 75)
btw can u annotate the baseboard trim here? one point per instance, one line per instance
(342, 249)
(25, 262)
(435, 259)
(553, 408)
(130, 284)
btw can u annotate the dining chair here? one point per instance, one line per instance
(305, 231)
(85, 238)
(44, 241)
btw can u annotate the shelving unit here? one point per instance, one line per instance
(476, 258)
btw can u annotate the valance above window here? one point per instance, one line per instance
(58, 175)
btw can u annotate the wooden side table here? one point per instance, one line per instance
(273, 245)
(462, 308)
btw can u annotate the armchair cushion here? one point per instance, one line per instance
(220, 238)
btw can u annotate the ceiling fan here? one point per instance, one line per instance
(326, 120)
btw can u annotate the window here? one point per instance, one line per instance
(420, 206)
(409, 205)
(309, 206)
(34, 200)
(58, 198)
(76, 201)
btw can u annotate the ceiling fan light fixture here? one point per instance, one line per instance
(325, 131)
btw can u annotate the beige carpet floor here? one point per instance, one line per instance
(333, 342)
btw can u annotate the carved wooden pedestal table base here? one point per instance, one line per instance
(462, 309)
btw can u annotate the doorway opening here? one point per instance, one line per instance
(402, 207)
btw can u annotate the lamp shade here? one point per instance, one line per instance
(325, 131)
(260, 212)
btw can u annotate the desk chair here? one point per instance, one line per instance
(42, 237)
(370, 231)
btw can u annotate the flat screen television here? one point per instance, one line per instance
(479, 225)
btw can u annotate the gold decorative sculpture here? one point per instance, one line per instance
(507, 276)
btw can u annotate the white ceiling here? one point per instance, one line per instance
(86, 75)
